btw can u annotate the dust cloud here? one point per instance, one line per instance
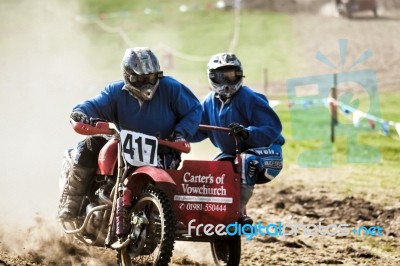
(200, 252)
(44, 72)
(47, 65)
(329, 10)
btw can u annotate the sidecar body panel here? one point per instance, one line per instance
(363, 5)
(207, 193)
(348, 7)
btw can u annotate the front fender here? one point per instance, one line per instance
(149, 174)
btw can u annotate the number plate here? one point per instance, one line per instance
(139, 149)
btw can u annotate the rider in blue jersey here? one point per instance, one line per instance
(145, 101)
(248, 114)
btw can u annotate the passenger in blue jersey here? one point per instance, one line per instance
(248, 114)
(145, 101)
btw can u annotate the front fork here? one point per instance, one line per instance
(122, 201)
(121, 175)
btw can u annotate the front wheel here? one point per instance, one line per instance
(226, 251)
(153, 227)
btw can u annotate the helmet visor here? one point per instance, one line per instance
(226, 76)
(140, 80)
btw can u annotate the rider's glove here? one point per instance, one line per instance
(177, 136)
(239, 130)
(79, 117)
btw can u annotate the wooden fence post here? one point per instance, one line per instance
(333, 106)
(265, 81)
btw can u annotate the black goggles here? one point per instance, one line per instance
(147, 78)
(225, 76)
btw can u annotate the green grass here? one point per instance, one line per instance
(367, 161)
(307, 128)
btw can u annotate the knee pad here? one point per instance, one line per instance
(266, 162)
(87, 151)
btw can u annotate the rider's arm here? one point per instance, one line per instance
(185, 105)
(200, 135)
(101, 106)
(265, 127)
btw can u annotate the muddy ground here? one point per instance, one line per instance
(288, 204)
(292, 198)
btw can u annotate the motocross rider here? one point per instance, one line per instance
(145, 101)
(249, 116)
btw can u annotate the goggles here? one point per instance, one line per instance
(229, 76)
(147, 78)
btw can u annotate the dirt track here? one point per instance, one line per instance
(271, 203)
(321, 32)
(285, 200)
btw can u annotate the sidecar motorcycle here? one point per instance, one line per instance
(140, 210)
(346, 8)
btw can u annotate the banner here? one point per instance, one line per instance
(357, 115)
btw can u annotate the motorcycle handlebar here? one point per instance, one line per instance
(210, 128)
(100, 128)
(225, 129)
(105, 128)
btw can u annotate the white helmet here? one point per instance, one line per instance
(141, 72)
(225, 74)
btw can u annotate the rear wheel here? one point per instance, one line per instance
(226, 250)
(153, 227)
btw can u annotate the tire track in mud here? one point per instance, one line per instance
(305, 205)
(299, 204)
(45, 246)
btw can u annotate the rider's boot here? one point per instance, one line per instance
(76, 187)
(246, 191)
